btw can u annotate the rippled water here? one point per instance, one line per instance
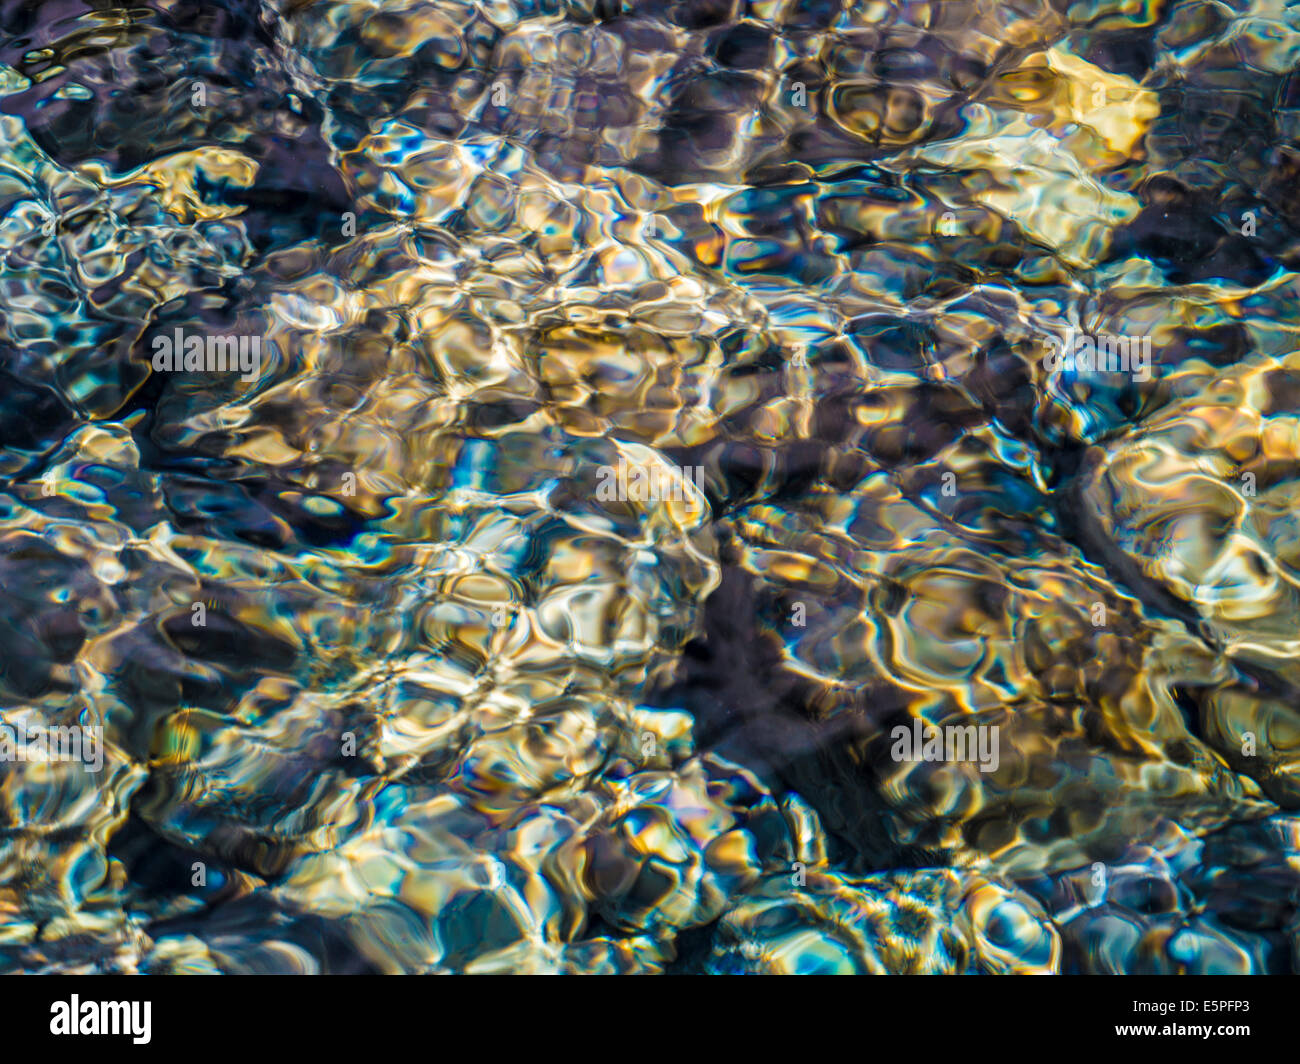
(651, 424)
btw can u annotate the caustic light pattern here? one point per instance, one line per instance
(688, 486)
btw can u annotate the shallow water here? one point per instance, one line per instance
(650, 486)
